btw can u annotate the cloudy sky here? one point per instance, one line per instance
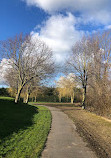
(60, 23)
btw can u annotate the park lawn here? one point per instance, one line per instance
(6, 98)
(23, 129)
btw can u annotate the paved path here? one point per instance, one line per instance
(63, 140)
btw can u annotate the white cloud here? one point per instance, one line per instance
(97, 10)
(97, 18)
(4, 66)
(107, 27)
(59, 33)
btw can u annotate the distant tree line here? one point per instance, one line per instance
(4, 92)
(42, 94)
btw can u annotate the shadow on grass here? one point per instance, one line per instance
(14, 117)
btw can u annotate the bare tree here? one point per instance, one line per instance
(99, 90)
(29, 59)
(91, 62)
(80, 62)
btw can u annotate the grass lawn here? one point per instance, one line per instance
(23, 129)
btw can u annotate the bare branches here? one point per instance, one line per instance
(29, 59)
(90, 61)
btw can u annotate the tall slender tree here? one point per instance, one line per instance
(80, 62)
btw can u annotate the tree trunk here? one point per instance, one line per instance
(27, 98)
(60, 98)
(72, 98)
(35, 99)
(18, 95)
(84, 90)
(84, 98)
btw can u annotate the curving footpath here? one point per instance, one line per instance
(63, 140)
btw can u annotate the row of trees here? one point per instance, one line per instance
(43, 94)
(31, 62)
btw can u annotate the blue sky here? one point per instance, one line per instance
(17, 17)
(59, 23)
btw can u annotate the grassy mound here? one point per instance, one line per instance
(23, 129)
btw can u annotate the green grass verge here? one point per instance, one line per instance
(23, 129)
(6, 98)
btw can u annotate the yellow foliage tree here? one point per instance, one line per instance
(65, 87)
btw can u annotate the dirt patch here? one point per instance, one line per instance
(95, 129)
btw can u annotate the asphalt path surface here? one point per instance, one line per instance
(63, 140)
